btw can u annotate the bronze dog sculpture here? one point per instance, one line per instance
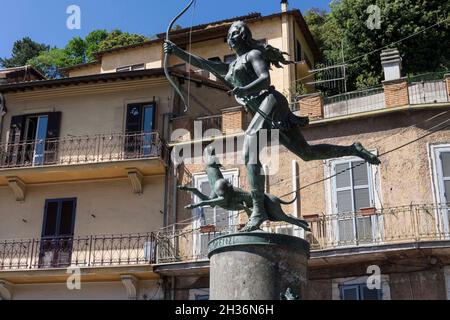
(228, 197)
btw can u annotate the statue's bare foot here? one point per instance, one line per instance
(250, 227)
(254, 224)
(366, 155)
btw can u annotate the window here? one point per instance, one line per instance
(140, 125)
(212, 222)
(442, 183)
(298, 52)
(32, 139)
(352, 191)
(359, 292)
(134, 67)
(57, 233)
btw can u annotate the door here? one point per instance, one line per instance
(140, 125)
(443, 175)
(57, 233)
(40, 138)
(211, 222)
(148, 123)
(353, 191)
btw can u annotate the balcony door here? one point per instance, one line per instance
(140, 126)
(57, 233)
(33, 140)
(36, 135)
(442, 156)
(352, 191)
(211, 222)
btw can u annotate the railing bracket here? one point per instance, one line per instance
(131, 284)
(5, 290)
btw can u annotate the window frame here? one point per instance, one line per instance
(197, 181)
(331, 201)
(58, 217)
(360, 291)
(442, 217)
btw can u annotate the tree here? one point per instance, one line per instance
(23, 50)
(78, 50)
(49, 62)
(346, 24)
(118, 39)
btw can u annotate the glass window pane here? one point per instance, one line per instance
(344, 201)
(343, 177)
(447, 190)
(208, 216)
(445, 158)
(222, 218)
(362, 198)
(346, 232)
(360, 176)
(364, 229)
(66, 227)
(205, 188)
(148, 119)
(41, 135)
(50, 222)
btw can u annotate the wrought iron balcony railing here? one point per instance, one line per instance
(81, 150)
(370, 227)
(186, 243)
(64, 252)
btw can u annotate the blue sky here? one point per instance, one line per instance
(44, 21)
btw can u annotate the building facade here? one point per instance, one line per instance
(85, 170)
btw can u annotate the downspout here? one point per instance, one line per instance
(2, 113)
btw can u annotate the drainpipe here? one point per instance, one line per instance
(2, 113)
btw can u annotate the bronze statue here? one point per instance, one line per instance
(228, 197)
(248, 77)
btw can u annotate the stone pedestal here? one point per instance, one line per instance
(257, 266)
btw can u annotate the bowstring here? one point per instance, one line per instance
(190, 57)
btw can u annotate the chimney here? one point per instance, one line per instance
(392, 64)
(284, 5)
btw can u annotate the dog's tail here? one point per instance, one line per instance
(290, 202)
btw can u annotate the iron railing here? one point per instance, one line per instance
(406, 224)
(91, 251)
(354, 102)
(433, 91)
(81, 150)
(187, 243)
(211, 122)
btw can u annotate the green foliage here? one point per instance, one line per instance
(346, 24)
(296, 90)
(118, 39)
(48, 62)
(78, 50)
(23, 50)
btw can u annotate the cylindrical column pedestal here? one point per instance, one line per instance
(258, 266)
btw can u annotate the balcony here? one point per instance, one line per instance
(89, 251)
(98, 258)
(82, 158)
(368, 231)
(388, 227)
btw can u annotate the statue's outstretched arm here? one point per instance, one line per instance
(217, 68)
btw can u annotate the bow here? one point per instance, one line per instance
(166, 56)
